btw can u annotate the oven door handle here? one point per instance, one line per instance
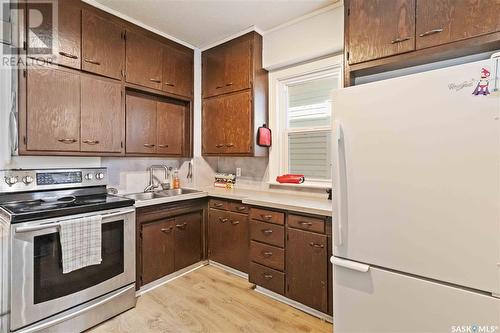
(57, 224)
(59, 320)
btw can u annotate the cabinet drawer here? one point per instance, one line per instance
(267, 216)
(306, 223)
(238, 207)
(267, 233)
(267, 255)
(219, 204)
(267, 278)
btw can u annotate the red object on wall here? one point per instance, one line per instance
(264, 137)
(290, 179)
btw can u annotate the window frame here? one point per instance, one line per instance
(278, 118)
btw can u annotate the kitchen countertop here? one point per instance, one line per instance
(292, 202)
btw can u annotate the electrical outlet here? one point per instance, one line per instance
(238, 172)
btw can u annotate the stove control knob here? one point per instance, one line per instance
(27, 180)
(11, 180)
(89, 176)
(99, 176)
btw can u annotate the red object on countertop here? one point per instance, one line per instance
(290, 179)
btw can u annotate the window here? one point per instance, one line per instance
(301, 120)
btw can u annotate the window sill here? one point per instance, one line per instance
(306, 184)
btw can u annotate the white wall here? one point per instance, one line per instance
(316, 35)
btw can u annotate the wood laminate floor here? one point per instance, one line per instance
(211, 300)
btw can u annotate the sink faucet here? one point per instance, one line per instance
(152, 186)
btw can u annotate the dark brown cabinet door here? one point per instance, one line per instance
(144, 61)
(239, 240)
(214, 67)
(445, 21)
(103, 46)
(177, 72)
(53, 110)
(157, 250)
(306, 269)
(213, 123)
(170, 128)
(237, 66)
(218, 242)
(64, 37)
(187, 239)
(102, 119)
(237, 115)
(380, 28)
(141, 124)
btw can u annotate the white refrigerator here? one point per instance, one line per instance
(417, 208)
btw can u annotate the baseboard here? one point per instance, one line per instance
(228, 269)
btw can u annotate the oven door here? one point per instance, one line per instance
(39, 289)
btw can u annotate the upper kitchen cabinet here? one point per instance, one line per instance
(64, 37)
(144, 61)
(103, 45)
(235, 97)
(441, 22)
(178, 75)
(380, 28)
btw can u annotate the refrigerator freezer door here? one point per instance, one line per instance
(383, 301)
(418, 176)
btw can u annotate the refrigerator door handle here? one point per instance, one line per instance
(341, 175)
(356, 266)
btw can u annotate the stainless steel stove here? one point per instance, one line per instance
(33, 204)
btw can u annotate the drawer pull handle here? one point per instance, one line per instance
(91, 142)
(155, 80)
(149, 145)
(167, 230)
(267, 253)
(229, 145)
(240, 208)
(181, 226)
(267, 231)
(235, 222)
(223, 220)
(267, 276)
(431, 32)
(93, 62)
(219, 145)
(218, 204)
(67, 141)
(267, 217)
(400, 40)
(318, 246)
(163, 146)
(308, 224)
(68, 55)
(169, 84)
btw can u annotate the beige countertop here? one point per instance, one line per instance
(292, 202)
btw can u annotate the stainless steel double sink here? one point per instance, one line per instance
(160, 194)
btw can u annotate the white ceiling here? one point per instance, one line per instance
(204, 22)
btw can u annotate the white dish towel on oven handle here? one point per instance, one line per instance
(81, 242)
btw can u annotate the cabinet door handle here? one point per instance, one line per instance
(240, 208)
(92, 61)
(219, 145)
(267, 254)
(229, 84)
(266, 217)
(166, 230)
(400, 40)
(219, 87)
(223, 220)
(319, 246)
(68, 55)
(235, 222)
(267, 231)
(267, 276)
(181, 226)
(305, 223)
(163, 146)
(169, 84)
(218, 204)
(431, 32)
(155, 80)
(91, 142)
(229, 145)
(148, 145)
(67, 140)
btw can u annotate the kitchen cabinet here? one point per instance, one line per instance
(178, 75)
(227, 124)
(102, 116)
(63, 37)
(235, 97)
(306, 268)
(53, 119)
(144, 61)
(441, 22)
(171, 123)
(170, 237)
(103, 45)
(380, 28)
(141, 124)
(157, 249)
(228, 238)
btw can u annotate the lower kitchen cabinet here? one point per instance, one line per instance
(169, 238)
(306, 268)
